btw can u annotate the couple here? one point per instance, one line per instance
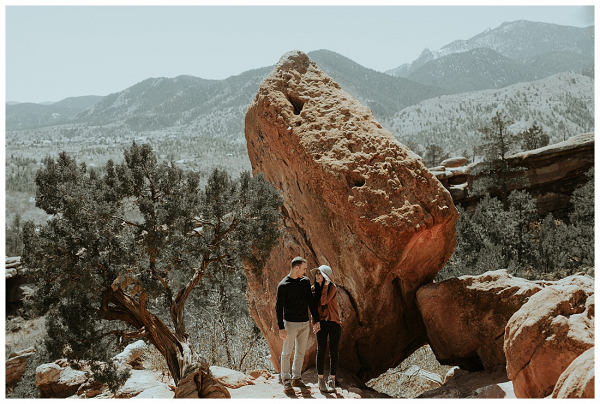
(294, 299)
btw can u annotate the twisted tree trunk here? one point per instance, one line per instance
(190, 373)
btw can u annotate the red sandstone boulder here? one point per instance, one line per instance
(544, 336)
(465, 317)
(16, 364)
(57, 380)
(354, 199)
(577, 381)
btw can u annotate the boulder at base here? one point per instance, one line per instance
(577, 381)
(544, 336)
(354, 199)
(465, 317)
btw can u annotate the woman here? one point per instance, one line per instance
(325, 293)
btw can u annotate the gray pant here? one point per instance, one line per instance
(298, 333)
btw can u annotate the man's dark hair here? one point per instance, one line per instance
(297, 261)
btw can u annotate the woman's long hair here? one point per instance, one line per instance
(317, 289)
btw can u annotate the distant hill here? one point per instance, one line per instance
(514, 52)
(385, 95)
(220, 105)
(30, 115)
(79, 103)
(563, 105)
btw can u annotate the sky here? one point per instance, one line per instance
(59, 51)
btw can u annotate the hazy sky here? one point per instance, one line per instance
(54, 52)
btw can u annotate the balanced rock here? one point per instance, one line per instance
(354, 199)
(465, 317)
(547, 333)
(577, 381)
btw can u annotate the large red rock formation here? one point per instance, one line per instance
(465, 317)
(547, 333)
(354, 199)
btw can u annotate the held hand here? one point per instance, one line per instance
(317, 327)
(283, 334)
(326, 278)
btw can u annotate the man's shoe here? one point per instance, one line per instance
(287, 385)
(298, 383)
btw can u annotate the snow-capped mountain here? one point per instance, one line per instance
(552, 49)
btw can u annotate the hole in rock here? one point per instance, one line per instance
(297, 103)
(355, 180)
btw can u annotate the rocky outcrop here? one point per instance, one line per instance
(553, 172)
(354, 199)
(18, 285)
(406, 383)
(464, 384)
(16, 364)
(58, 380)
(465, 317)
(577, 381)
(231, 378)
(547, 333)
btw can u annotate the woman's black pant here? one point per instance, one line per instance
(334, 331)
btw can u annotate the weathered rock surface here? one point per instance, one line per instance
(464, 384)
(454, 162)
(577, 381)
(408, 383)
(16, 364)
(57, 380)
(553, 173)
(547, 333)
(231, 378)
(465, 317)
(354, 199)
(138, 382)
(131, 353)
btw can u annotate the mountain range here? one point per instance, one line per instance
(513, 53)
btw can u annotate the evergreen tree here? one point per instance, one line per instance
(534, 138)
(128, 247)
(521, 213)
(14, 237)
(497, 143)
(434, 154)
(581, 228)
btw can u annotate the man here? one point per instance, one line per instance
(294, 298)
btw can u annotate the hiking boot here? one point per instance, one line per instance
(323, 385)
(331, 385)
(287, 385)
(298, 383)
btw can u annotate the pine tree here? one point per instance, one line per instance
(497, 143)
(125, 250)
(534, 138)
(434, 154)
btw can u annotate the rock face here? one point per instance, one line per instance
(577, 381)
(544, 336)
(15, 365)
(354, 199)
(57, 380)
(553, 172)
(465, 317)
(18, 285)
(464, 384)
